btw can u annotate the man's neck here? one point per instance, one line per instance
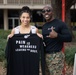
(50, 19)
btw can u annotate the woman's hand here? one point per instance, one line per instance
(9, 36)
(40, 35)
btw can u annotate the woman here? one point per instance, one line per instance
(23, 54)
(24, 27)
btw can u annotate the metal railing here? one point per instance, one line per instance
(18, 1)
(47, 1)
(34, 2)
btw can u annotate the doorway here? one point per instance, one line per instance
(13, 22)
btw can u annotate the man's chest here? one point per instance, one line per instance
(47, 29)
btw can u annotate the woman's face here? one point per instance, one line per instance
(25, 18)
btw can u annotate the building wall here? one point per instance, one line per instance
(6, 5)
(15, 5)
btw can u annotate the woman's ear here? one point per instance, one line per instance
(31, 18)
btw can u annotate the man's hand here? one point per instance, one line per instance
(53, 33)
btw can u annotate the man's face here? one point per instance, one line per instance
(47, 13)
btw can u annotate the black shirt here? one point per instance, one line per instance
(23, 55)
(55, 44)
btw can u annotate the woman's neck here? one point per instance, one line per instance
(24, 26)
(24, 29)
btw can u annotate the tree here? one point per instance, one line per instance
(57, 5)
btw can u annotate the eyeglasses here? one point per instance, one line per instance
(48, 10)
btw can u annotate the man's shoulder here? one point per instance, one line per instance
(60, 22)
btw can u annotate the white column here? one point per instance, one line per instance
(31, 2)
(43, 1)
(4, 1)
(5, 19)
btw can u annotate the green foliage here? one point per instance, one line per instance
(3, 40)
(40, 31)
(4, 34)
(69, 55)
(2, 49)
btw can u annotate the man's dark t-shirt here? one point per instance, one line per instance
(55, 44)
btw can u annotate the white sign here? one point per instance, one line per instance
(74, 69)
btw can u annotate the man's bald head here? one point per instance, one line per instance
(48, 13)
(48, 6)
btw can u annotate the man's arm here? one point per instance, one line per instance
(65, 34)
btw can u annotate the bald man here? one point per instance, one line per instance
(55, 33)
